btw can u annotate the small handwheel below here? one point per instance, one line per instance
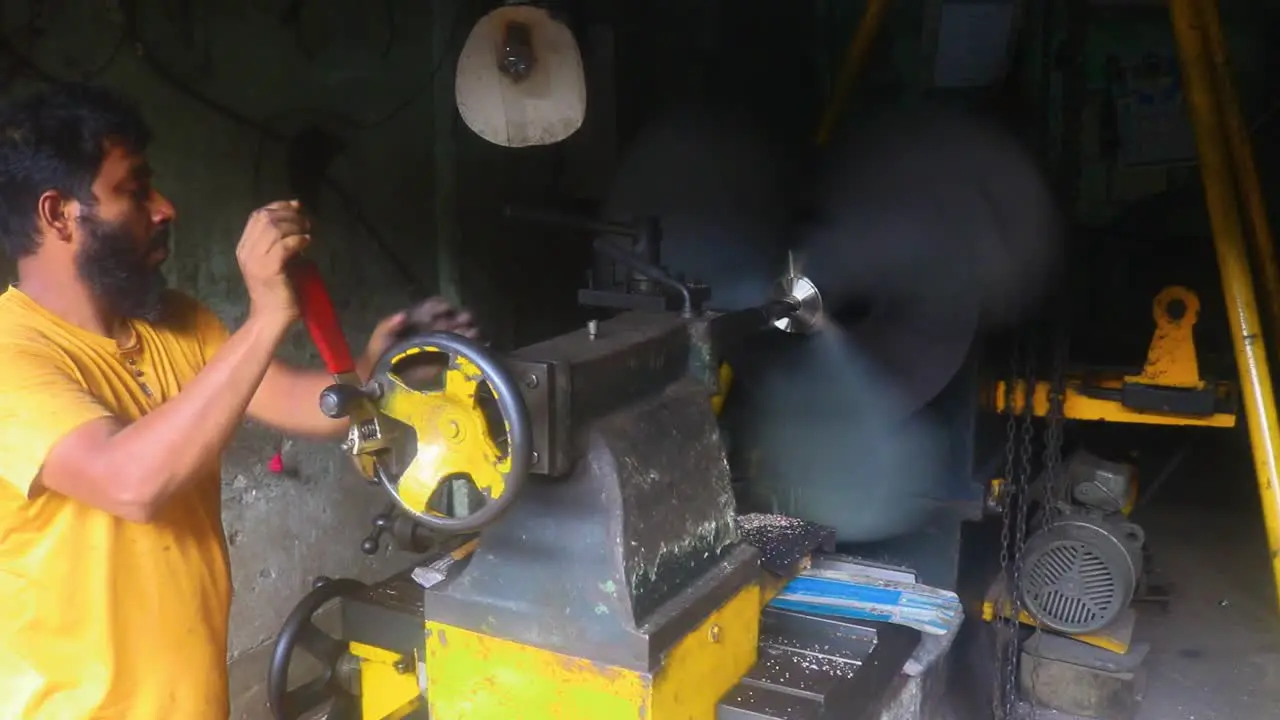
(300, 631)
(447, 434)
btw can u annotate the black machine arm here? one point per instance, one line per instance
(643, 258)
(406, 534)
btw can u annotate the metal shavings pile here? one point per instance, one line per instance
(783, 541)
(780, 526)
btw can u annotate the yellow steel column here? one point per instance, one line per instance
(855, 57)
(1233, 264)
(1242, 158)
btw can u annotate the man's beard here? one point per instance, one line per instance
(118, 275)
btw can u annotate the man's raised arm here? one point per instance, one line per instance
(130, 470)
(289, 397)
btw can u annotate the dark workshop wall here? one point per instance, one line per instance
(348, 105)
(1140, 207)
(324, 70)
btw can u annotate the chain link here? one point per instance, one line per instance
(1016, 500)
(1020, 532)
(1052, 457)
(1006, 629)
(1053, 432)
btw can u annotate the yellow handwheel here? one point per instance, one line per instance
(444, 434)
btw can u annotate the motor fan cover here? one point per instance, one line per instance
(1080, 572)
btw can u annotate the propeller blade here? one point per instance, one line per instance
(929, 227)
(933, 203)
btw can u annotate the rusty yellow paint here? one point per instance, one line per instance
(710, 660)
(1131, 500)
(471, 676)
(725, 381)
(1078, 404)
(1171, 363)
(1115, 643)
(1171, 357)
(999, 486)
(385, 692)
(453, 437)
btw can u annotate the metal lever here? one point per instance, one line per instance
(321, 319)
(339, 400)
(381, 526)
(406, 535)
(345, 398)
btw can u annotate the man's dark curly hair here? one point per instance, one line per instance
(55, 139)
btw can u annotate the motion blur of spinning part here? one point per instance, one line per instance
(930, 227)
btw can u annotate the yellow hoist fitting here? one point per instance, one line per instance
(1171, 358)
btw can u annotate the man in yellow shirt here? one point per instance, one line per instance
(117, 397)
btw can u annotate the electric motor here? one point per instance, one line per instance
(1080, 572)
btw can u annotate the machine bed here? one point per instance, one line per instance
(814, 667)
(809, 666)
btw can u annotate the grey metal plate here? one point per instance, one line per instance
(813, 667)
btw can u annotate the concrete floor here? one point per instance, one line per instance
(1216, 653)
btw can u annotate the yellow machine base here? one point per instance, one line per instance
(386, 691)
(471, 676)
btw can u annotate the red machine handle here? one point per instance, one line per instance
(320, 317)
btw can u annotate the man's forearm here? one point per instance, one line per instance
(185, 435)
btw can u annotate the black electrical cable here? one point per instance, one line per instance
(110, 59)
(444, 54)
(130, 35)
(129, 9)
(352, 207)
(356, 125)
(23, 64)
(293, 15)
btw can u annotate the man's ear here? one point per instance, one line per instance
(57, 213)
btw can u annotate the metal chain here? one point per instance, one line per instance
(1016, 501)
(1053, 433)
(1052, 457)
(1020, 532)
(1004, 628)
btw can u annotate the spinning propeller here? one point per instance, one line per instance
(924, 227)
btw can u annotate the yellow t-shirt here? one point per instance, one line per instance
(100, 617)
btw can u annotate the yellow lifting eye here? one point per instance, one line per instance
(454, 438)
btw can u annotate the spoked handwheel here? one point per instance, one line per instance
(300, 632)
(447, 434)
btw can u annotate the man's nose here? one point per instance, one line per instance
(162, 211)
